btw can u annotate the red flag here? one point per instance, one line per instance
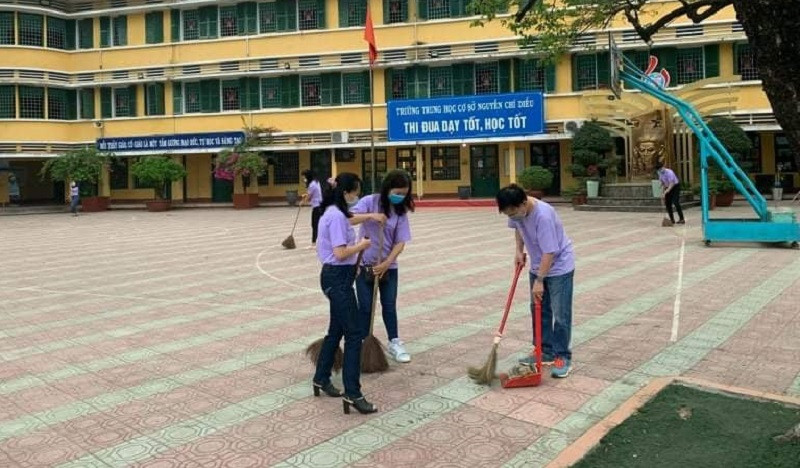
(369, 36)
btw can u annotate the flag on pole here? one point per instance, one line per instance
(369, 36)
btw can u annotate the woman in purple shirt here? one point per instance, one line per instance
(314, 198)
(671, 191)
(337, 250)
(395, 202)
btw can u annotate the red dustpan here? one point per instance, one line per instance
(523, 375)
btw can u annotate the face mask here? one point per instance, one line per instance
(519, 217)
(396, 199)
(352, 203)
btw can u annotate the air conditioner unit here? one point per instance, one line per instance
(572, 126)
(339, 137)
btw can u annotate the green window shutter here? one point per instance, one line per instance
(367, 87)
(69, 39)
(417, 82)
(154, 27)
(422, 9)
(517, 74)
(386, 7)
(247, 18)
(155, 99)
(321, 15)
(121, 31)
(209, 22)
(132, 101)
(737, 49)
(209, 96)
(71, 98)
(271, 93)
(7, 31)
(177, 98)
(331, 92)
(388, 73)
(105, 31)
(343, 13)
(8, 102)
(249, 93)
(175, 25)
(603, 70)
(575, 86)
(550, 78)
(87, 103)
(504, 76)
(290, 91)
(711, 54)
(86, 33)
(668, 58)
(456, 8)
(106, 104)
(286, 15)
(463, 79)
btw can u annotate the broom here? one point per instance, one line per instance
(313, 350)
(288, 243)
(373, 357)
(485, 374)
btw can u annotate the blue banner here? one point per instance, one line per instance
(463, 117)
(181, 141)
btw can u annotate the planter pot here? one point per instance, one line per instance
(725, 199)
(777, 193)
(578, 200)
(464, 192)
(656, 186)
(245, 201)
(712, 202)
(592, 188)
(94, 204)
(292, 197)
(156, 206)
(535, 193)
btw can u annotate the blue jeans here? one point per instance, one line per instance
(345, 321)
(556, 314)
(73, 204)
(388, 294)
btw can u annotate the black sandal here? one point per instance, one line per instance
(328, 389)
(360, 404)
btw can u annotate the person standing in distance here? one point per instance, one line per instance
(313, 197)
(671, 194)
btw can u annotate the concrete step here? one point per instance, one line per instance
(633, 208)
(646, 201)
(637, 190)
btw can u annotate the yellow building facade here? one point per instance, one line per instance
(73, 73)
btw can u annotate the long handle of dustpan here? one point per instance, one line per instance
(375, 281)
(510, 299)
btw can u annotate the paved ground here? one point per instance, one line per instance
(131, 338)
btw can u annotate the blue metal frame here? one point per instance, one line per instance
(763, 229)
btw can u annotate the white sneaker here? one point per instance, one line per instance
(398, 351)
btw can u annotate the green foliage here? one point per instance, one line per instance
(84, 166)
(242, 161)
(590, 145)
(733, 138)
(535, 178)
(158, 172)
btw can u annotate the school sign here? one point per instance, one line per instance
(465, 117)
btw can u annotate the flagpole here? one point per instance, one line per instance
(369, 36)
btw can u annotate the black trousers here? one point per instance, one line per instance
(316, 214)
(673, 198)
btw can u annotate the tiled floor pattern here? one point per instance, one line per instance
(176, 339)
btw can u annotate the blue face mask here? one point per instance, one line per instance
(352, 203)
(396, 199)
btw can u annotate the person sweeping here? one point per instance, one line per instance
(671, 191)
(313, 197)
(337, 250)
(395, 201)
(538, 229)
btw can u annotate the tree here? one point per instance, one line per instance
(83, 165)
(772, 28)
(590, 145)
(242, 160)
(157, 172)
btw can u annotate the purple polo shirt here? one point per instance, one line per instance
(543, 233)
(73, 191)
(396, 230)
(314, 193)
(667, 177)
(335, 231)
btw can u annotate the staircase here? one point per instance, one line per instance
(631, 198)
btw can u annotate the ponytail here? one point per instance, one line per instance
(333, 191)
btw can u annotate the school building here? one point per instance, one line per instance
(171, 76)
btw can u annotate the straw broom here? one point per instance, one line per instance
(485, 374)
(289, 243)
(373, 357)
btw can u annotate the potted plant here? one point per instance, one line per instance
(738, 144)
(575, 194)
(535, 180)
(777, 186)
(244, 162)
(590, 145)
(158, 172)
(85, 167)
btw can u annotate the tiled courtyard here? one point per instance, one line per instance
(176, 340)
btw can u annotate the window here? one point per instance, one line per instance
(56, 33)
(280, 15)
(463, 79)
(191, 25)
(407, 160)
(86, 97)
(30, 30)
(784, 154)
(745, 62)
(311, 87)
(125, 102)
(486, 78)
(311, 14)
(120, 31)
(228, 21)
(177, 98)
(154, 99)
(202, 96)
(366, 169)
(533, 75)
(441, 81)
(446, 163)
(395, 11)
(247, 18)
(200, 24)
(287, 168)
(752, 161)
(438, 9)
(192, 97)
(690, 65)
(119, 174)
(7, 31)
(154, 27)
(352, 13)
(8, 102)
(397, 84)
(31, 102)
(61, 104)
(86, 33)
(263, 178)
(230, 95)
(586, 71)
(407, 83)
(355, 88)
(271, 92)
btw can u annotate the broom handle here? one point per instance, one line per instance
(375, 282)
(296, 217)
(510, 299)
(537, 327)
